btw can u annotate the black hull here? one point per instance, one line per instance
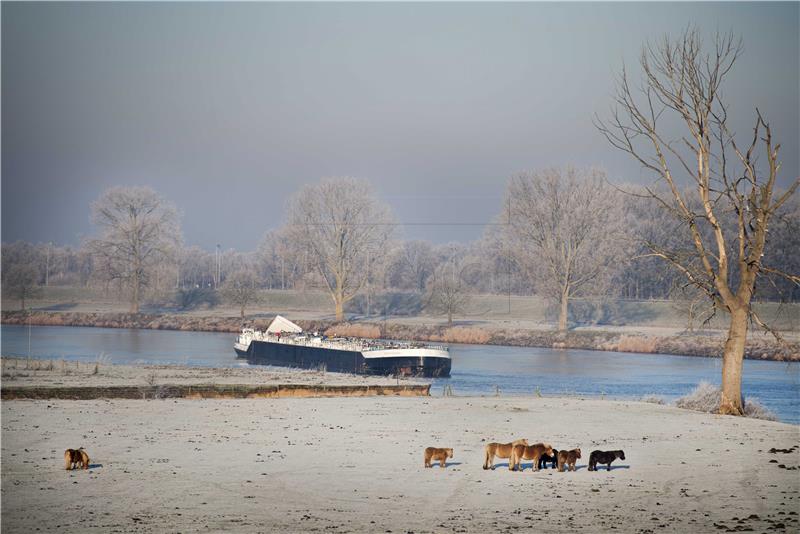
(428, 367)
(342, 361)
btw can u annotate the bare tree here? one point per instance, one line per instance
(726, 211)
(413, 262)
(241, 289)
(21, 282)
(138, 230)
(567, 228)
(780, 251)
(447, 291)
(279, 262)
(340, 224)
(197, 267)
(693, 304)
(646, 277)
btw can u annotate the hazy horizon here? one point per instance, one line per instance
(228, 109)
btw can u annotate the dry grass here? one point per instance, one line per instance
(462, 334)
(11, 366)
(642, 344)
(353, 330)
(706, 397)
(653, 399)
(753, 408)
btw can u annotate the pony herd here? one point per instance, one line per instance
(540, 453)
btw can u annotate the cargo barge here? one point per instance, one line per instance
(285, 344)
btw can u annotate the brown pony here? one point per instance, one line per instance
(76, 459)
(501, 450)
(440, 455)
(568, 458)
(524, 452)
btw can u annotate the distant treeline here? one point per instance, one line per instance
(562, 234)
(407, 266)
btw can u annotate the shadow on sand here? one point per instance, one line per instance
(613, 467)
(446, 464)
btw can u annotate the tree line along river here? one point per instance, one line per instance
(477, 369)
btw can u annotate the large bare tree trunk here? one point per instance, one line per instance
(726, 213)
(731, 402)
(564, 314)
(135, 296)
(339, 308)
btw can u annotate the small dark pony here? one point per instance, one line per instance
(604, 458)
(545, 459)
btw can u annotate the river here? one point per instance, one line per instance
(477, 369)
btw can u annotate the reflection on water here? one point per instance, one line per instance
(477, 369)
(121, 345)
(481, 370)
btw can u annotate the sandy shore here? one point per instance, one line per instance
(355, 464)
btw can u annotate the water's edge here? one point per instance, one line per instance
(701, 346)
(230, 391)
(478, 370)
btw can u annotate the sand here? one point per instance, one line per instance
(356, 465)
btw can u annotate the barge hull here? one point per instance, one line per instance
(342, 361)
(304, 357)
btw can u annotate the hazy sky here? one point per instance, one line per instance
(226, 109)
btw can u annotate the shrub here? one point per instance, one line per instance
(753, 408)
(706, 398)
(151, 378)
(189, 299)
(652, 399)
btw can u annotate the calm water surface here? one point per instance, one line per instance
(477, 369)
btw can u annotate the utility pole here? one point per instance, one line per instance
(47, 266)
(508, 258)
(217, 280)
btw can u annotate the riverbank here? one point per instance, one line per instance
(233, 391)
(355, 465)
(709, 344)
(39, 373)
(74, 380)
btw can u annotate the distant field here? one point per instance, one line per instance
(495, 309)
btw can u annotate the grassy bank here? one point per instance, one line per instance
(708, 345)
(409, 307)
